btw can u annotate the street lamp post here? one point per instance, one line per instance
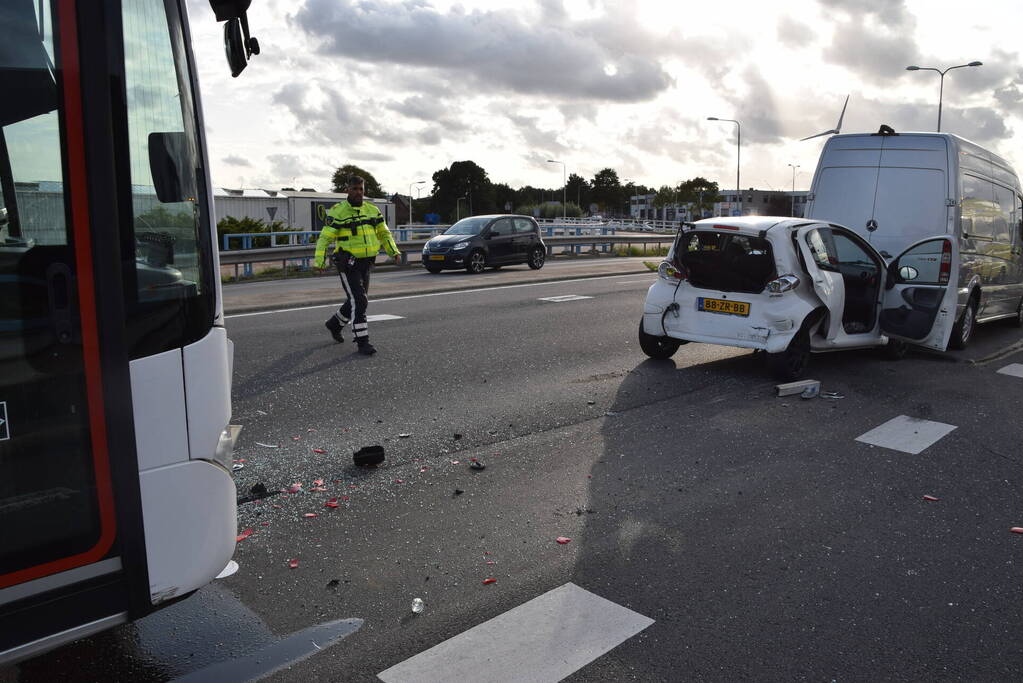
(738, 152)
(794, 167)
(564, 189)
(418, 182)
(458, 207)
(941, 83)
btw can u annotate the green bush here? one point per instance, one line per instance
(229, 225)
(639, 251)
(549, 210)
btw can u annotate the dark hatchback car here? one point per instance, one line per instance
(480, 242)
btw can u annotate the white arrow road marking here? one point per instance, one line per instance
(545, 639)
(1014, 370)
(906, 434)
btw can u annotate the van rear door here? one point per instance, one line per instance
(912, 188)
(846, 182)
(920, 298)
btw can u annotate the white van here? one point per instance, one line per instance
(895, 189)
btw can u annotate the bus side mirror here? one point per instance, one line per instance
(173, 175)
(238, 45)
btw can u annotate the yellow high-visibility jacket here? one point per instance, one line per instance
(359, 230)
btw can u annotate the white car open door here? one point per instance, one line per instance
(920, 295)
(821, 263)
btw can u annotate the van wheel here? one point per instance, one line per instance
(895, 349)
(790, 364)
(1018, 320)
(660, 348)
(962, 331)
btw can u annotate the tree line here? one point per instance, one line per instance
(465, 189)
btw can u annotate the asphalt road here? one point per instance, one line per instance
(760, 537)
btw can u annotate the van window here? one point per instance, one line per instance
(979, 209)
(1005, 220)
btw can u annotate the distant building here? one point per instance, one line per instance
(302, 210)
(754, 203)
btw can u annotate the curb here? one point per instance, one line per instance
(338, 296)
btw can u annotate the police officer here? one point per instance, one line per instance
(357, 231)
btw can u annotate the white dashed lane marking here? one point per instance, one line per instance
(564, 297)
(383, 316)
(906, 434)
(545, 639)
(1014, 370)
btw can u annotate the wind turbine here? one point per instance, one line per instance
(837, 129)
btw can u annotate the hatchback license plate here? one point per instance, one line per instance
(723, 306)
(436, 257)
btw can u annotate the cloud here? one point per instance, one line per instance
(890, 13)
(545, 142)
(578, 110)
(1010, 96)
(873, 51)
(367, 155)
(794, 34)
(756, 109)
(612, 59)
(234, 160)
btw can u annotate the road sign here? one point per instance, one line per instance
(272, 210)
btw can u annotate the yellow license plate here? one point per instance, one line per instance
(723, 306)
(436, 257)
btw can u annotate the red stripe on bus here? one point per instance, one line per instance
(75, 134)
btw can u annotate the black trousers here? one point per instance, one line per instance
(354, 274)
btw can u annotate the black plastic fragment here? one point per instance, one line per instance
(368, 456)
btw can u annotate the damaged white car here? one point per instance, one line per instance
(791, 286)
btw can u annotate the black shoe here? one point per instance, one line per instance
(366, 349)
(334, 326)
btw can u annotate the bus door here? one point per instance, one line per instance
(66, 517)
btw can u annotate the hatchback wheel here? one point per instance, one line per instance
(1018, 320)
(537, 258)
(660, 348)
(476, 262)
(962, 331)
(790, 364)
(895, 349)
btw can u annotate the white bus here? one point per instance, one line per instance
(116, 494)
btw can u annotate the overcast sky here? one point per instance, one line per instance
(403, 89)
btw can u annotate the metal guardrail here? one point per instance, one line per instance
(304, 252)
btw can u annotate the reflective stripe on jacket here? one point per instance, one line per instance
(359, 230)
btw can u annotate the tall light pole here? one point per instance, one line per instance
(418, 182)
(738, 152)
(941, 84)
(794, 167)
(458, 207)
(564, 189)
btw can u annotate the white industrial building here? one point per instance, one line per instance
(295, 210)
